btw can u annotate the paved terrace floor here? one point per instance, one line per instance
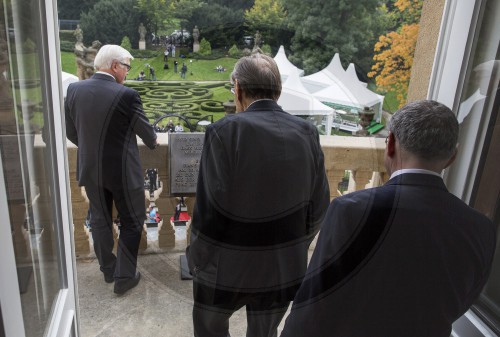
(160, 305)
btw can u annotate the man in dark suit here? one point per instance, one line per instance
(404, 259)
(103, 118)
(262, 193)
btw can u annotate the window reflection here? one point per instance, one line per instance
(481, 99)
(26, 162)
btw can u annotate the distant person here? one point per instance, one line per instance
(404, 259)
(141, 76)
(152, 74)
(173, 50)
(261, 195)
(183, 70)
(165, 56)
(179, 128)
(170, 126)
(175, 66)
(103, 118)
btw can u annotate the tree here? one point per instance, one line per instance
(323, 28)
(104, 22)
(72, 9)
(221, 21)
(162, 13)
(395, 50)
(268, 17)
(126, 43)
(205, 47)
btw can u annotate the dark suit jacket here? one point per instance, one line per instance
(404, 259)
(103, 119)
(262, 193)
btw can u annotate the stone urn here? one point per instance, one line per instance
(230, 107)
(365, 119)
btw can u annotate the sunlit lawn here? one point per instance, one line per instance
(198, 70)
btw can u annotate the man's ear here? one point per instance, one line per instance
(391, 144)
(238, 93)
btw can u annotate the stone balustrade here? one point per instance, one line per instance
(361, 157)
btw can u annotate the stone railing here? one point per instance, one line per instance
(361, 157)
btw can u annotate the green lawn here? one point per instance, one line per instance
(198, 70)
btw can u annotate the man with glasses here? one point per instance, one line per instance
(103, 118)
(262, 192)
(404, 259)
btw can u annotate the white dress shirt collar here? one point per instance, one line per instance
(419, 171)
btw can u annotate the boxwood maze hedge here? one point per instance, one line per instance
(188, 99)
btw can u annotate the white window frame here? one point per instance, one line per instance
(458, 27)
(63, 321)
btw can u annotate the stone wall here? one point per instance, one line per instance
(428, 35)
(363, 157)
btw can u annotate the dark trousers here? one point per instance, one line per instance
(212, 320)
(131, 208)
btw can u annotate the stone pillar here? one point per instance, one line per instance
(80, 208)
(196, 47)
(359, 179)
(20, 236)
(229, 107)
(143, 245)
(166, 234)
(334, 178)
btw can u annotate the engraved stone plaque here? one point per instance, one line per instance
(184, 154)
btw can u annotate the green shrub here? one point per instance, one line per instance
(205, 47)
(234, 51)
(67, 35)
(266, 49)
(144, 54)
(126, 43)
(67, 46)
(212, 106)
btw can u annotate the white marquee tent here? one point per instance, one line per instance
(284, 65)
(67, 79)
(296, 100)
(335, 85)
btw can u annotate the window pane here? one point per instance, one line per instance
(27, 160)
(481, 99)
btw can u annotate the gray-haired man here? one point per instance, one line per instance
(404, 259)
(262, 192)
(103, 118)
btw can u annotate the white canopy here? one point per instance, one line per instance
(284, 65)
(67, 79)
(335, 85)
(296, 100)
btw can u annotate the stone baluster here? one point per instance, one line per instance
(80, 208)
(166, 231)
(359, 179)
(335, 179)
(143, 245)
(20, 235)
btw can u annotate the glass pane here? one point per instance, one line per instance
(27, 161)
(481, 99)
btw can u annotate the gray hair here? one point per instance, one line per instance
(426, 129)
(258, 76)
(109, 53)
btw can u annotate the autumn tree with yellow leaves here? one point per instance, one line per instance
(394, 51)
